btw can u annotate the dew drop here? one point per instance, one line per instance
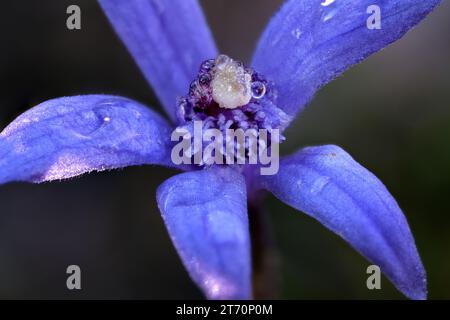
(319, 184)
(327, 2)
(329, 15)
(296, 33)
(258, 90)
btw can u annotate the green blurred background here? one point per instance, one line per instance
(391, 113)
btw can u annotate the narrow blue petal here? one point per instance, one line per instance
(307, 44)
(69, 136)
(168, 40)
(327, 184)
(206, 215)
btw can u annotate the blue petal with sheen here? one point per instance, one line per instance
(69, 136)
(309, 43)
(206, 215)
(167, 39)
(327, 184)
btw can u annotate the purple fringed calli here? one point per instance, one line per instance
(306, 45)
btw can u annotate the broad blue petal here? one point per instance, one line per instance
(327, 184)
(66, 137)
(168, 40)
(308, 44)
(206, 215)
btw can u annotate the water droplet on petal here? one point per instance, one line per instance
(296, 33)
(329, 15)
(326, 3)
(319, 184)
(258, 90)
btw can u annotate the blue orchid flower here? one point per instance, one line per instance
(306, 45)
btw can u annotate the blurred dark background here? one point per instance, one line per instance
(390, 113)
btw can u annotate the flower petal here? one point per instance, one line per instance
(69, 136)
(206, 215)
(167, 39)
(327, 184)
(308, 43)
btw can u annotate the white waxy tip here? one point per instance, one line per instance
(231, 85)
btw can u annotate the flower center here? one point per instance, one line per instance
(229, 95)
(230, 84)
